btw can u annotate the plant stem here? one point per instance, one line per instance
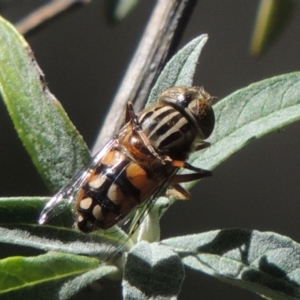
(161, 36)
(46, 13)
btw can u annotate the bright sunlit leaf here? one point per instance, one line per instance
(52, 141)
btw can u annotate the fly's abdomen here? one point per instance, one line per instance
(112, 191)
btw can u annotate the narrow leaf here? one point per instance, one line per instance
(14, 210)
(56, 148)
(249, 114)
(73, 286)
(40, 277)
(180, 69)
(263, 262)
(64, 240)
(152, 271)
(272, 18)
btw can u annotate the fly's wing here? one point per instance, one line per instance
(132, 221)
(144, 209)
(68, 193)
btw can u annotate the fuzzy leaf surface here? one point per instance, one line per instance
(52, 141)
(152, 271)
(73, 286)
(263, 262)
(249, 114)
(180, 69)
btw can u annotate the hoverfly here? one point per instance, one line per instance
(141, 161)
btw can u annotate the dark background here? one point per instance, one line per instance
(84, 59)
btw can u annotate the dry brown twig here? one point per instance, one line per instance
(46, 13)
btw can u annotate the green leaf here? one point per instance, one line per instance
(152, 271)
(180, 69)
(263, 262)
(49, 238)
(249, 114)
(117, 10)
(40, 277)
(14, 210)
(73, 286)
(56, 148)
(272, 18)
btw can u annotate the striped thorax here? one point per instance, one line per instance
(182, 118)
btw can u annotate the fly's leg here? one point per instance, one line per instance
(202, 146)
(130, 115)
(176, 189)
(178, 192)
(184, 165)
(180, 178)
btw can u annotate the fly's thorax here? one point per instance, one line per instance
(168, 130)
(134, 145)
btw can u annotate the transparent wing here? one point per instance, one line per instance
(68, 193)
(135, 218)
(144, 209)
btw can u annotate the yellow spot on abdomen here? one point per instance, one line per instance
(85, 203)
(97, 213)
(137, 175)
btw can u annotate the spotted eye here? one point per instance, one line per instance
(202, 111)
(195, 103)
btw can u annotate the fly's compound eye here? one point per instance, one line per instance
(195, 103)
(200, 108)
